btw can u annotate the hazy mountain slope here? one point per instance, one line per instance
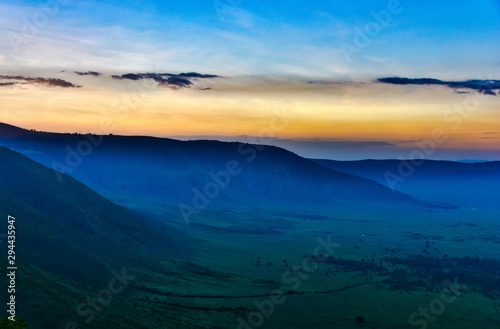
(140, 171)
(71, 243)
(467, 184)
(67, 228)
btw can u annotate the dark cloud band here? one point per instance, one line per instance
(50, 82)
(167, 79)
(486, 87)
(95, 74)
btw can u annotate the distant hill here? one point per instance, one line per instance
(466, 184)
(150, 173)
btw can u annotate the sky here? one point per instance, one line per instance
(300, 75)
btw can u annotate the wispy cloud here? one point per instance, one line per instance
(235, 15)
(486, 87)
(49, 82)
(95, 74)
(182, 80)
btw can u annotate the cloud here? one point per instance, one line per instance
(486, 87)
(49, 82)
(129, 76)
(178, 81)
(233, 14)
(96, 74)
(325, 82)
(197, 75)
(168, 79)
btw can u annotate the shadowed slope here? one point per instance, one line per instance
(69, 229)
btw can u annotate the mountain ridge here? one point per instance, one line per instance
(139, 170)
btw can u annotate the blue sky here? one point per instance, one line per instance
(271, 37)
